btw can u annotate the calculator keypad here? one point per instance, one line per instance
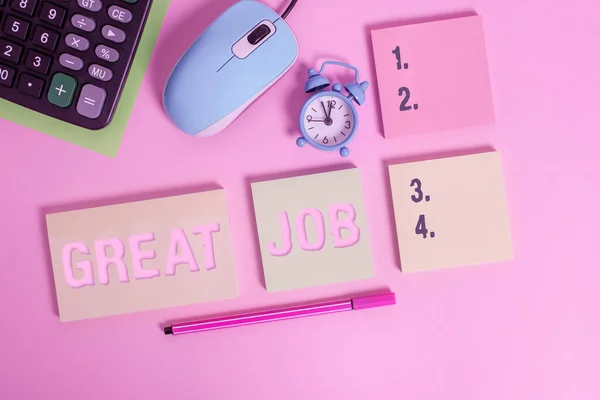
(69, 59)
(90, 5)
(120, 14)
(107, 53)
(84, 23)
(52, 14)
(71, 62)
(6, 76)
(91, 101)
(77, 42)
(10, 51)
(16, 27)
(113, 34)
(31, 86)
(24, 6)
(38, 62)
(62, 89)
(45, 38)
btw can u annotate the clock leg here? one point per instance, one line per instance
(344, 152)
(301, 142)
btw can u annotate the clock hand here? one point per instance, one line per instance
(317, 120)
(324, 110)
(330, 109)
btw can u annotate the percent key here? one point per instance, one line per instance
(107, 53)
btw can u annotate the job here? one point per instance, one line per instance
(338, 224)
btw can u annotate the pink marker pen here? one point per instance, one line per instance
(358, 303)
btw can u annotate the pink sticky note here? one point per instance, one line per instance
(433, 76)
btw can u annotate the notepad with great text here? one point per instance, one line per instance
(143, 255)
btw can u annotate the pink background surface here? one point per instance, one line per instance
(527, 329)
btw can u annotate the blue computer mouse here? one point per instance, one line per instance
(237, 58)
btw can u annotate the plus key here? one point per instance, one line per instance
(62, 90)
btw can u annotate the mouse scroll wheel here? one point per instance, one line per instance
(258, 34)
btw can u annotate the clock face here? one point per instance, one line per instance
(329, 120)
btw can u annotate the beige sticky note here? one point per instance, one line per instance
(140, 256)
(312, 230)
(450, 212)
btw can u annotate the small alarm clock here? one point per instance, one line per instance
(328, 119)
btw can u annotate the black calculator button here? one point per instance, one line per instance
(45, 38)
(16, 27)
(71, 62)
(52, 14)
(31, 85)
(38, 62)
(120, 14)
(24, 6)
(77, 42)
(82, 22)
(90, 5)
(10, 51)
(6, 75)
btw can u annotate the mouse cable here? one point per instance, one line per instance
(289, 9)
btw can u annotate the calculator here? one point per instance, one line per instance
(69, 59)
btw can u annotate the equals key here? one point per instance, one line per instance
(91, 101)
